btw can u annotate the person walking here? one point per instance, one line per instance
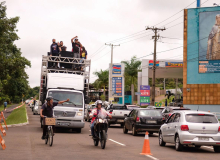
(5, 105)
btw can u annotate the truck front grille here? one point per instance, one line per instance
(64, 113)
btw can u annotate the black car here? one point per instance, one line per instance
(142, 120)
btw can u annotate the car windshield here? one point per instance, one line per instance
(201, 118)
(149, 113)
(76, 98)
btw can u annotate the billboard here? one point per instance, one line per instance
(145, 95)
(117, 86)
(209, 42)
(174, 64)
(116, 69)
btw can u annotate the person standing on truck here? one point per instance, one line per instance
(47, 110)
(76, 49)
(95, 112)
(54, 50)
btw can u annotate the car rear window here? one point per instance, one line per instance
(132, 107)
(201, 118)
(150, 113)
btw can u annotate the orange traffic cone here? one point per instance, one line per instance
(2, 143)
(146, 146)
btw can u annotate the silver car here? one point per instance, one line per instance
(36, 108)
(191, 128)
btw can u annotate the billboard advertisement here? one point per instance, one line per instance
(116, 69)
(117, 86)
(174, 64)
(145, 95)
(209, 42)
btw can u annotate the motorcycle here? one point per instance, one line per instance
(100, 131)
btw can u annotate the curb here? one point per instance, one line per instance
(20, 124)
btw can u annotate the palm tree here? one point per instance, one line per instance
(102, 80)
(131, 70)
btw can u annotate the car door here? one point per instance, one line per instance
(167, 130)
(173, 127)
(131, 119)
(128, 121)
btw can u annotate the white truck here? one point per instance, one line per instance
(118, 113)
(61, 84)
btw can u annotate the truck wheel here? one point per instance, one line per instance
(122, 125)
(78, 130)
(216, 149)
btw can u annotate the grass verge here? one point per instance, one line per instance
(17, 116)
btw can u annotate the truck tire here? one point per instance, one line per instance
(78, 130)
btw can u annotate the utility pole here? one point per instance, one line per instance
(156, 37)
(110, 87)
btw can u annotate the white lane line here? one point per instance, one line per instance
(116, 142)
(152, 157)
(90, 130)
(207, 147)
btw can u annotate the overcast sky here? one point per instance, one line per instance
(96, 22)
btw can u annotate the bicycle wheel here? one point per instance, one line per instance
(103, 139)
(50, 137)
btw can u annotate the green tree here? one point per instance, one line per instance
(102, 80)
(131, 70)
(13, 77)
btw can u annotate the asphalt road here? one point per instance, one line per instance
(24, 143)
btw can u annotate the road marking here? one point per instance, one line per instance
(152, 157)
(116, 142)
(90, 130)
(207, 147)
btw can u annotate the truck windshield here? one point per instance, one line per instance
(76, 99)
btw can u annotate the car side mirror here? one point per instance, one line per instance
(125, 115)
(111, 110)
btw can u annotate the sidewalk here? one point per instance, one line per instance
(6, 114)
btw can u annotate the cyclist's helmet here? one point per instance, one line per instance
(49, 98)
(98, 102)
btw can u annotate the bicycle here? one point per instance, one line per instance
(49, 134)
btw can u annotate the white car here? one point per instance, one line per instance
(191, 128)
(36, 108)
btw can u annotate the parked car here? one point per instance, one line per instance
(167, 111)
(90, 107)
(27, 101)
(131, 107)
(191, 128)
(117, 111)
(142, 120)
(36, 108)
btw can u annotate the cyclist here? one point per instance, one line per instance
(95, 112)
(47, 110)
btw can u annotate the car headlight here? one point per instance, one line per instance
(79, 114)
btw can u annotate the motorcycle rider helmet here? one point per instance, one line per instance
(98, 102)
(49, 98)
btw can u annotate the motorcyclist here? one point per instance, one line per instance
(95, 113)
(47, 110)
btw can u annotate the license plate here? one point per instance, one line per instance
(64, 124)
(203, 139)
(120, 120)
(151, 122)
